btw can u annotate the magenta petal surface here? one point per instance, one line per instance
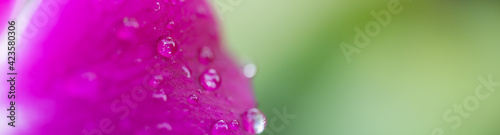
(130, 67)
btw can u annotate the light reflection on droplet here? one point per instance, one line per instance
(210, 80)
(164, 125)
(250, 70)
(187, 71)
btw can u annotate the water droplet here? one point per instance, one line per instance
(250, 70)
(155, 81)
(235, 125)
(167, 47)
(170, 25)
(138, 60)
(206, 56)
(157, 6)
(254, 121)
(193, 99)
(164, 125)
(210, 80)
(84, 84)
(201, 10)
(130, 22)
(160, 94)
(186, 70)
(220, 128)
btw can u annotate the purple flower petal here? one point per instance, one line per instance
(129, 67)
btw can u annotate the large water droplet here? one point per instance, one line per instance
(220, 128)
(210, 80)
(235, 125)
(250, 70)
(206, 56)
(193, 99)
(166, 47)
(254, 121)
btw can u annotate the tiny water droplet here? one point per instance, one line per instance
(193, 99)
(165, 126)
(170, 25)
(220, 128)
(254, 121)
(210, 80)
(166, 47)
(187, 71)
(206, 56)
(250, 70)
(160, 94)
(157, 6)
(130, 22)
(235, 125)
(155, 81)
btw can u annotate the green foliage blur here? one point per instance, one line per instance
(426, 61)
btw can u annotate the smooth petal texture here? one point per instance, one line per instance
(98, 67)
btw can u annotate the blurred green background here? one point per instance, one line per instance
(427, 59)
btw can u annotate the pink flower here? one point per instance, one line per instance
(135, 67)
